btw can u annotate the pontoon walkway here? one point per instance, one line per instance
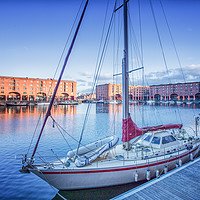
(180, 183)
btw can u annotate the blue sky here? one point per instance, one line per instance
(33, 34)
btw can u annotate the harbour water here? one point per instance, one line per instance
(18, 124)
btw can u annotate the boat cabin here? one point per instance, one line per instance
(158, 139)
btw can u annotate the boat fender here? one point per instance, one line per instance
(136, 177)
(180, 162)
(67, 164)
(119, 157)
(87, 161)
(157, 173)
(189, 147)
(165, 169)
(148, 175)
(191, 156)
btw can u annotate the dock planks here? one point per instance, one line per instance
(180, 183)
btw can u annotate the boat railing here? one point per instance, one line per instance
(143, 156)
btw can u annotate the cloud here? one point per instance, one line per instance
(105, 77)
(86, 74)
(81, 81)
(189, 74)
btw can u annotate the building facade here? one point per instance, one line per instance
(179, 91)
(114, 92)
(35, 89)
(85, 96)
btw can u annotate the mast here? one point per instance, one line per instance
(125, 79)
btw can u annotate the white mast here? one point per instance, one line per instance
(125, 79)
(125, 67)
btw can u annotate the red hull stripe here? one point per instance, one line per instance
(119, 169)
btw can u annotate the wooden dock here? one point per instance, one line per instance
(180, 183)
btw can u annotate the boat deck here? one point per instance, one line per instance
(180, 183)
(131, 158)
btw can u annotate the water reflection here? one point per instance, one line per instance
(108, 108)
(35, 110)
(17, 125)
(100, 193)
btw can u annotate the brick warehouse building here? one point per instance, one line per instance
(32, 89)
(179, 91)
(114, 92)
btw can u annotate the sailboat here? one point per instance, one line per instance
(145, 153)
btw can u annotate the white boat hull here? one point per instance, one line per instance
(80, 178)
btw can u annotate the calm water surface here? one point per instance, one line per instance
(17, 125)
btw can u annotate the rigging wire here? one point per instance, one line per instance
(34, 133)
(175, 49)
(117, 33)
(62, 71)
(159, 38)
(177, 55)
(53, 79)
(96, 76)
(170, 32)
(161, 45)
(139, 59)
(142, 61)
(60, 128)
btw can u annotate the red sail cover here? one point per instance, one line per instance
(130, 130)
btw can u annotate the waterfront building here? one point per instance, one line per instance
(114, 92)
(35, 89)
(86, 96)
(178, 91)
